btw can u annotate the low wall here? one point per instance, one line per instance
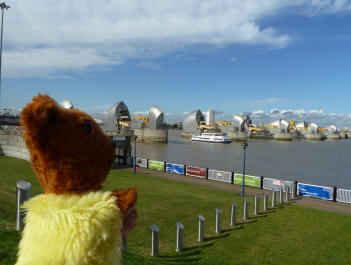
(12, 144)
(314, 136)
(149, 135)
(283, 136)
(301, 189)
(238, 136)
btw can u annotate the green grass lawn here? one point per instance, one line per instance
(288, 234)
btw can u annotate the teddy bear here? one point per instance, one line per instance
(73, 222)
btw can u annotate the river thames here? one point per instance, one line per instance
(326, 163)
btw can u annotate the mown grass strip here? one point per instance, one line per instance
(287, 234)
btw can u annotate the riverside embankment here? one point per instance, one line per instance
(321, 163)
(249, 191)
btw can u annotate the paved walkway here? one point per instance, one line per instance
(343, 208)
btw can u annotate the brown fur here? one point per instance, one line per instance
(128, 196)
(65, 157)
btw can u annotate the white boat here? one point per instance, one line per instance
(211, 138)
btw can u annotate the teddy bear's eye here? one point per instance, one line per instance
(88, 126)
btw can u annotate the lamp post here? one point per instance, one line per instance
(3, 6)
(134, 160)
(243, 187)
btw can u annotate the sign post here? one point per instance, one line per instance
(243, 186)
(134, 160)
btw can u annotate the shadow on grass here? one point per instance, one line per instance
(278, 207)
(184, 258)
(132, 259)
(258, 216)
(7, 227)
(182, 254)
(232, 229)
(215, 237)
(270, 211)
(8, 246)
(198, 247)
(181, 261)
(247, 222)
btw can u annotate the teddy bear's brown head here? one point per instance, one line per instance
(69, 151)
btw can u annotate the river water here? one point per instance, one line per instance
(326, 163)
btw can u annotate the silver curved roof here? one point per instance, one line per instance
(192, 121)
(301, 125)
(114, 114)
(156, 118)
(281, 124)
(314, 127)
(67, 104)
(284, 124)
(333, 129)
(242, 122)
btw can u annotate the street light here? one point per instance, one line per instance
(134, 160)
(243, 187)
(3, 6)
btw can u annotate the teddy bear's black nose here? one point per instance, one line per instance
(88, 127)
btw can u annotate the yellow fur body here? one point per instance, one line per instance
(71, 230)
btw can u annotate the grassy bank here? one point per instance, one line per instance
(287, 234)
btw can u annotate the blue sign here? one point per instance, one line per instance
(315, 191)
(174, 168)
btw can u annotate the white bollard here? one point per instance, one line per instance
(287, 190)
(154, 240)
(200, 237)
(233, 214)
(293, 191)
(257, 204)
(124, 243)
(265, 201)
(218, 221)
(23, 194)
(246, 209)
(281, 195)
(179, 243)
(273, 198)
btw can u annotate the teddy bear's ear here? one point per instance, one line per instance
(126, 199)
(38, 113)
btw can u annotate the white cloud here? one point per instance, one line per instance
(232, 59)
(150, 65)
(318, 116)
(261, 102)
(141, 113)
(44, 62)
(329, 6)
(189, 59)
(49, 38)
(258, 112)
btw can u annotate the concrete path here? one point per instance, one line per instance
(337, 207)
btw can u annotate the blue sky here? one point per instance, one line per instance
(228, 56)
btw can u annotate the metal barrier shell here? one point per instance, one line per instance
(276, 184)
(325, 193)
(175, 168)
(343, 196)
(157, 165)
(196, 172)
(141, 162)
(223, 176)
(249, 180)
